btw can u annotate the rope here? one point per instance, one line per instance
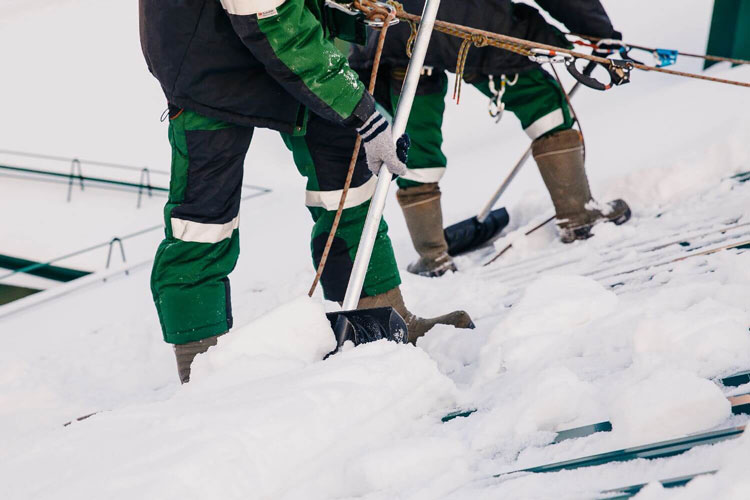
(412, 38)
(372, 12)
(523, 47)
(706, 57)
(463, 53)
(572, 109)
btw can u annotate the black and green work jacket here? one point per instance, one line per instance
(251, 62)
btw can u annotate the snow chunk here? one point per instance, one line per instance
(666, 404)
(550, 401)
(707, 337)
(283, 436)
(731, 482)
(292, 335)
(539, 328)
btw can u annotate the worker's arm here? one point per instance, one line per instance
(584, 17)
(287, 38)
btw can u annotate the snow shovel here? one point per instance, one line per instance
(470, 234)
(366, 325)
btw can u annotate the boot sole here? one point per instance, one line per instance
(622, 219)
(584, 233)
(437, 273)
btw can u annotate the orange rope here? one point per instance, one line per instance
(386, 16)
(523, 47)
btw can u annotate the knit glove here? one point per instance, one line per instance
(377, 137)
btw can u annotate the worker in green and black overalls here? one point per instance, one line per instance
(512, 81)
(227, 67)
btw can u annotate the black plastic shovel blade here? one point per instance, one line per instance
(469, 234)
(368, 325)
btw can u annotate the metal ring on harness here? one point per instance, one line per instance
(350, 9)
(497, 106)
(608, 47)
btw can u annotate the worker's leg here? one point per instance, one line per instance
(323, 156)
(189, 280)
(419, 194)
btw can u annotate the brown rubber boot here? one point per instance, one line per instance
(424, 218)
(560, 160)
(186, 353)
(417, 326)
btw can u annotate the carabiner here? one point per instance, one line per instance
(497, 106)
(542, 56)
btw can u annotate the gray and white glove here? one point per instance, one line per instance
(377, 137)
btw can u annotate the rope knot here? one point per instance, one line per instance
(479, 40)
(475, 39)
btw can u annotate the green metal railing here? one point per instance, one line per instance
(72, 177)
(75, 175)
(49, 271)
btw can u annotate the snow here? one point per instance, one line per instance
(538, 328)
(273, 406)
(642, 413)
(567, 335)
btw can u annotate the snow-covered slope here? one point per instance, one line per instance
(566, 335)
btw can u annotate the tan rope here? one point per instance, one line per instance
(380, 14)
(412, 38)
(463, 53)
(706, 57)
(523, 47)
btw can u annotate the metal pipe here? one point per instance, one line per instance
(377, 203)
(512, 175)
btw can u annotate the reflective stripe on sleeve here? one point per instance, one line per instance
(250, 7)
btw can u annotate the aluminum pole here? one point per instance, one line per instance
(377, 203)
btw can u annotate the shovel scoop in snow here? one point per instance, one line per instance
(367, 325)
(470, 234)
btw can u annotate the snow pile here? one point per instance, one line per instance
(730, 483)
(265, 418)
(264, 414)
(666, 404)
(705, 335)
(540, 328)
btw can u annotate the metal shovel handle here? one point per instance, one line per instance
(377, 203)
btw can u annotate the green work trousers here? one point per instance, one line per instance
(534, 97)
(189, 280)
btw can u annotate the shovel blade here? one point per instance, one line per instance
(368, 325)
(470, 234)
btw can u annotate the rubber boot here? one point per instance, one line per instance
(186, 353)
(560, 160)
(424, 218)
(416, 326)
